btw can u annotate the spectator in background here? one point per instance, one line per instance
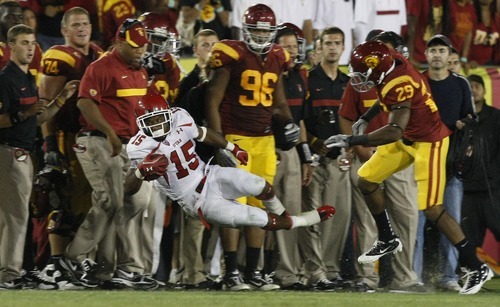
(453, 98)
(389, 15)
(29, 18)
(112, 13)
(485, 34)
(481, 202)
(300, 13)
(425, 19)
(49, 20)
(454, 64)
(339, 13)
(463, 20)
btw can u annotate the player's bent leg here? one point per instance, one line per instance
(270, 201)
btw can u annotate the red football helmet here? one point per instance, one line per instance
(162, 38)
(371, 61)
(154, 116)
(259, 28)
(287, 27)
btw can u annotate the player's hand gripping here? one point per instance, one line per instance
(292, 132)
(359, 127)
(226, 157)
(339, 140)
(152, 167)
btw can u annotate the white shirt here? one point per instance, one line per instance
(338, 13)
(185, 169)
(387, 15)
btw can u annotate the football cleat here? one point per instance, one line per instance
(134, 280)
(475, 279)
(326, 212)
(257, 282)
(325, 285)
(234, 282)
(82, 272)
(14, 284)
(381, 248)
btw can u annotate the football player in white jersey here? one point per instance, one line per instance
(164, 150)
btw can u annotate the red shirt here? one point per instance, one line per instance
(246, 107)
(167, 83)
(62, 60)
(112, 13)
(354, 104)
(463, 20)
(480, 50)
(116, 88)
(406, 83)
(423, 31)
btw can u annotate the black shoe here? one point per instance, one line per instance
(82, 272)
(204, 285)
(234, 282)
(297, 286)
(324, 285)
(15, 284)
(475, 279)
(134, 280)
(362, 287)
(379, 249)
(257, 282)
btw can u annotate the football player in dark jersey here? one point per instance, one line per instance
(244, 93)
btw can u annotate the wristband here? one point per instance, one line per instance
(201, 137)
(197, 6)
(314, 139)
(59, 101)
(464, 59)
(230, 146)
(220, 9)
(304, 153)
(138, 174)
(171, 4)
(358, 140)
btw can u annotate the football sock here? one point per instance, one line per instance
(268, 261)
(274, 205)
(467, 255)
(231, 262)
(385, 231)
(252, 259)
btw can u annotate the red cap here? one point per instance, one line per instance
(133, 32)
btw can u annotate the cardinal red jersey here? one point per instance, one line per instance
(406, 83)
(34, 66)
(246, 107)
(62, 60)
(167, 83)
(112, 13)
(354, 104)
(116, 88)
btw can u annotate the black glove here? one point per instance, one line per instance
(153, 65)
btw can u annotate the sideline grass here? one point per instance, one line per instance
(489, 296)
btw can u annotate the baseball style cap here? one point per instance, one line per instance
(133, 32)
(476, 78)
(439, 39)
(373, 33)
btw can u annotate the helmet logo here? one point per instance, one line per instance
(371, 61)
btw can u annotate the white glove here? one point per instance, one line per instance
(359, 127)
(292, 132)
(339, 140)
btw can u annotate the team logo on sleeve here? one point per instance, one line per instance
(93, 92)
(371, 61)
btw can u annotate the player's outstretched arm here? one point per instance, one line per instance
(212, 138)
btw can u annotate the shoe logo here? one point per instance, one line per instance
(128, 275)
(123, 77)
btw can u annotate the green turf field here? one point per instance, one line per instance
(489, 296)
